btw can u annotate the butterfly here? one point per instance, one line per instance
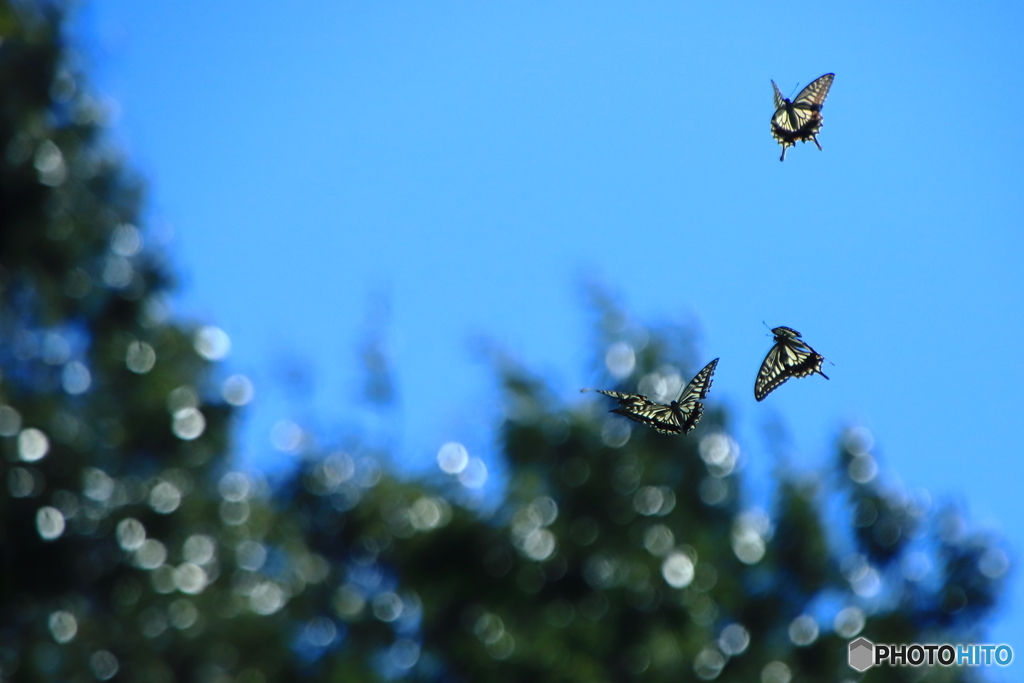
(679, 416)
(790, 357)
(800, 119)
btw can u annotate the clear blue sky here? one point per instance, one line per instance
(477, 160)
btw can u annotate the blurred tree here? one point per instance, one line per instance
(129, 551)
(617, 553)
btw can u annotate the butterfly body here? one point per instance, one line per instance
(678, 417)
(790, 357)
(800, 119)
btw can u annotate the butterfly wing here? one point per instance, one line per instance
(780, 101)
(813, 96)
(688, 404)
(790, 357)
(661, 417)
(800, 120)
(641, 409)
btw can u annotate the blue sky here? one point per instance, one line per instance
(478, 161)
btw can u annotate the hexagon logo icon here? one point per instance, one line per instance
(862, 654)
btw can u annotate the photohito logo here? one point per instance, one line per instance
(863, 654)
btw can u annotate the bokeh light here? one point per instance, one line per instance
(10, 421)
(620, 359)
(849, 622)
(677, 570)
(33, 445)
(238, 390)
(140, 357)
(234, 513)
(862, 468)
(21, 482)
(56, 349)
(320, 631)
(474, 475)
(287, 436)
(126, 240)
(776, 672)
(993, 563)
(713, 491)
(165, 498)
(76, 378)
(151, 554)
(104, 665)
(199, 549)
(654, 500)
(190, 578)
(858, 441)
(63, 626)
(131, 534)
(528, 528)
(250, 555)
(453, 457)
(404, 653)
(803, 630)
(387, 606)
(348, 602)
(659, 540)
(183, 397)
(117, 271)
(864, 579)
(212, 343)
(267, 598)
(97, 485)
(749, 532)
(915, 566)
(182, 614)
(234, 486)
(49, 162)
(615, 432)
(188, 424)
(734, 639)
(720, 453)
(49, 523)
(429, 513)
(709, 663)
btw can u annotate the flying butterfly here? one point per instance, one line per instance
(678, 417)
(800, 119)
(790, 357)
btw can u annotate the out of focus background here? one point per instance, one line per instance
(297, 305)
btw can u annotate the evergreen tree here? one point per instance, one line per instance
(127, 550)
(617, 553)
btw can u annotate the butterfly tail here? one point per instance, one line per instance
(815, 139)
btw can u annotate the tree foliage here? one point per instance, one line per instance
(130, 551)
